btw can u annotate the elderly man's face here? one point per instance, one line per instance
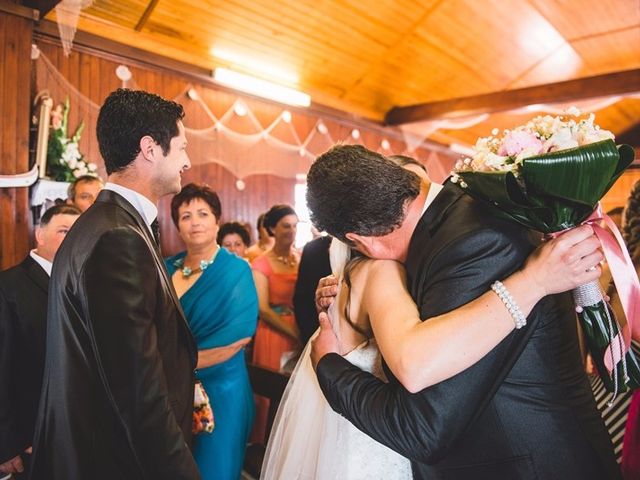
(86, 194)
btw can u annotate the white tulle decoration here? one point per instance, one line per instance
(339, 255)
(67, 15)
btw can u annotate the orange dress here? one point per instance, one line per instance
(269, 344)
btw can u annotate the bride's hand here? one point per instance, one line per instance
(326, 292)
(566, 262)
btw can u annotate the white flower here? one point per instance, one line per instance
(495, 161)
(92, 167)
(73, 163)
(562, 139)
(81, 164)
(574, 111)
(76, 173)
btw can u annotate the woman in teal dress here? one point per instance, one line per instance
(219, 299)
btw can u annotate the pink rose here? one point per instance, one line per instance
(517, 140)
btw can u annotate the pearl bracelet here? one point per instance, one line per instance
(518, 317)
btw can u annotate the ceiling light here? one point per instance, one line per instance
(286, 116)
(253, 64)
(355, 133)
(261, 88)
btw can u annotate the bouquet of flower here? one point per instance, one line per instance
(64, 161)
(203, 421)
(549, 176)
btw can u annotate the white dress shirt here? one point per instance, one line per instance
(145, 207)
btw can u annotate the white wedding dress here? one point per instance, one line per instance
(309, 441)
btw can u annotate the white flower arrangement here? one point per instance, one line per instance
(64, 159)
(542, 134)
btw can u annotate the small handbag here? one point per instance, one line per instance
(203, 421)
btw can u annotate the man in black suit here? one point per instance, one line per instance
(117, 396)
(525, 410)
(314, 264)
(23, 316)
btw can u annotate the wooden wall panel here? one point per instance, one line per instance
(619, 193)
(15, 69)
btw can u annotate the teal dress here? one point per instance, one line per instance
(222, 308)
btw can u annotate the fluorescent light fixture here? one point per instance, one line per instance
(261, 88)
(250, 63)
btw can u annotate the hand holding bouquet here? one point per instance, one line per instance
(549, 176)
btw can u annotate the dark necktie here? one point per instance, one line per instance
(155, 229)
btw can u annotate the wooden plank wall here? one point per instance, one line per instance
(92, 73)
(15, 70)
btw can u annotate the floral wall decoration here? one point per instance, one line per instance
(65, 162)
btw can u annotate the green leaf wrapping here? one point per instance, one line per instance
(554, 191)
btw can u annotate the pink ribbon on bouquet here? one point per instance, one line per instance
(625, 279)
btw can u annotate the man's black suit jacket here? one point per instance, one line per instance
(23, 317)
(117, 396)
(525, 411)
(314, 264)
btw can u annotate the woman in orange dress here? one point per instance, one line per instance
(275, 273)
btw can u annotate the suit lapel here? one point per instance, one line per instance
(110, 196)
(420, 245)
(36, 273)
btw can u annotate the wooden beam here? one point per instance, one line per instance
(616, 83)
(18, 10)
(145, 16)
(43, 6)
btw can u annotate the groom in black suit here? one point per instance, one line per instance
(117, 396)
(525, 411)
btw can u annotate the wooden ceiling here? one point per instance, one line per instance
(366, 57)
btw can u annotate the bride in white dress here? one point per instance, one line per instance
(310, 441)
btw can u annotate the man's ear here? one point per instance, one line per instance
(361, 243)
(147, 147)
(39, 236)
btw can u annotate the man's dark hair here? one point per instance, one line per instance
(352, 189)
(404, 160)
(61, 209)
(192, 191)
(71, 191)
(128, 115)
(234, 227)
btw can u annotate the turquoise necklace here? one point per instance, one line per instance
(188, 271)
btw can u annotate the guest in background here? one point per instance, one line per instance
(23, 317)
(219, 299)
(264, 243)
(234, 236)
(631, 235)
(616, 216)
(275, 273)
(314, 264)
(84, 190)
